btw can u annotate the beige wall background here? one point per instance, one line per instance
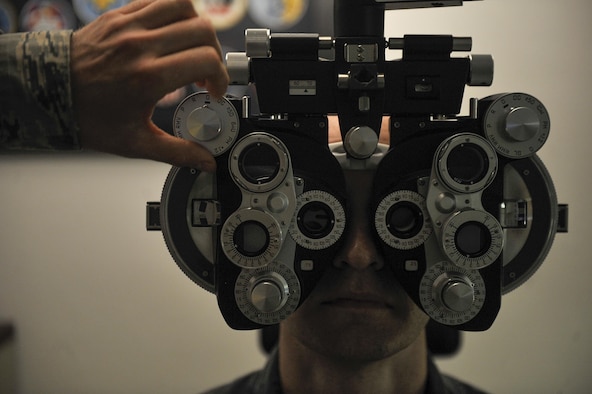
(100, 307)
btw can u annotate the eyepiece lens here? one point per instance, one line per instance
(315, 220)
(472, 239)
(404, 220)
(251, 238)
(259, 163)
(467, 164)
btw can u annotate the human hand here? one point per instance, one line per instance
(129, 58)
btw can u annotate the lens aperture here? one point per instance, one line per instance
(259, 163)
(251, 238)
(320, 220)
(472, 239)
(467, 164)
(401, 220)
(404, 220)
(315, 220)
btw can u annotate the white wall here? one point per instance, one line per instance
(100, 307)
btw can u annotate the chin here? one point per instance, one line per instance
(355, 337)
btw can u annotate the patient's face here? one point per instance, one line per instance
(358, 310)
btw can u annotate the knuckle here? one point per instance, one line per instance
(186, 7)
(128, 45)
(207, 25)
(206, 30)
(112, 21)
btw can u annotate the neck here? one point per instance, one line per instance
(302, 370)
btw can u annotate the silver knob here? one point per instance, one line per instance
(457, 295)
(516, 124)
(269, 292)
(203, 124)
(522, 124)
(361, 142)
(266, 297)
(258, 43)
(237, 64)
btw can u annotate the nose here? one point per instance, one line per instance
(359, 250)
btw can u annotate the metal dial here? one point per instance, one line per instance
(259, 162)
(267, 295)
(516, 124)
(451, 295)
(213, 123)
(472, 239)
(251, 238)
(319, 221)
(466, 163)
(361, 142)
(402, 220)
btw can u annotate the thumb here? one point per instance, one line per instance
(179, 152)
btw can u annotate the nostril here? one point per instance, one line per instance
(359, 252)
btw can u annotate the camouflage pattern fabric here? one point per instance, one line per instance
(36, 111)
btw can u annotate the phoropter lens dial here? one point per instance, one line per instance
(259, 162)
(319, 221)
(517, 124)
(213, 123)
(472, 239)
(251, 238)
(402, 220)
(269, 294)
(466, 163)
(451, 295)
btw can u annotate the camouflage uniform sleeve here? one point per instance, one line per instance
(36, 111)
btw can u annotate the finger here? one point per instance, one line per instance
(196, 64)
(164, 12)
(182, 35)
(134, 6)
(167, 148)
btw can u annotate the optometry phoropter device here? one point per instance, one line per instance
(463, 209)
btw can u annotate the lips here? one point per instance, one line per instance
(358, 302)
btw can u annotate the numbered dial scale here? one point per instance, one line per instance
(320, 220)
(450, 294)
(402, 220)
(516, 124)
(267, 295)
(213, 123)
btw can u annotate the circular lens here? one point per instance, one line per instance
(315, 220)
(320, 220)
(259, 163)
(472, 239)
(251, 238)
(467, 164)
(404, 220)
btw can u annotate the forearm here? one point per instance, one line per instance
(36, 109)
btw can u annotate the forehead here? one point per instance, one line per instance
(335, 133)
